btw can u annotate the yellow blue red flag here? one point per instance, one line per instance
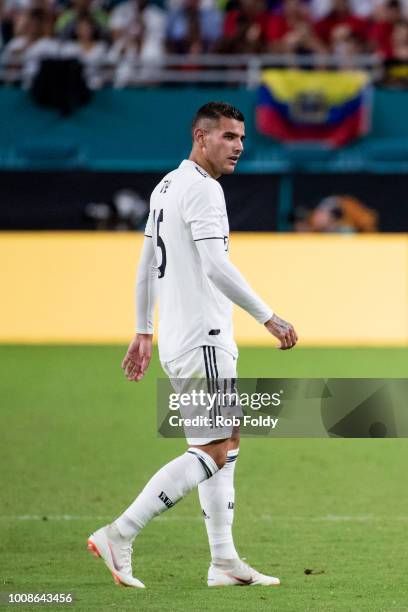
(321, 106)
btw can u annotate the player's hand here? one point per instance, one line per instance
(138, 357)
(283, 331)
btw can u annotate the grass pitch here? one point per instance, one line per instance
(78, 442)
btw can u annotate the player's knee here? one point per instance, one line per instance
(219, 454)
(220, 459)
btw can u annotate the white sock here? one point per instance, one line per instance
(217, 498)
(170, 484)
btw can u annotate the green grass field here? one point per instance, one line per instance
(78, 442)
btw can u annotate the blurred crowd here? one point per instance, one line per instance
(121, 31)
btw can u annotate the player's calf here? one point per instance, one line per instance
(218, 451)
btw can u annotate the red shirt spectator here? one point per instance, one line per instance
(381, 32)
(293, 31)
(341, 15)
(399, 42)
(293, 13)
(253, 11)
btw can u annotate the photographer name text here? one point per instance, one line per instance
(223, 421)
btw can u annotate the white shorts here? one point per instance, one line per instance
(214, 367)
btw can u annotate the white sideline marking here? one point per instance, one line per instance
(341, 518)
(265, 517)
(53, 517)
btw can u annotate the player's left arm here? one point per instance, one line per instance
(139, 353)
(204, 211)
(227, 278)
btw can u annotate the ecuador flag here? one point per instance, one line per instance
(321, 106)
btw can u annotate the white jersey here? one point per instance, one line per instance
(188, 206)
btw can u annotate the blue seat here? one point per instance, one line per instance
(386, 149)
(48, 154)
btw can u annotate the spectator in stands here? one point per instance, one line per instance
(6, 23)
(399, 42)
(245, 28)
(362, 8)
(12, 11)
(387, 15)
(124, 54)
(13, 15)
(34, 43)
(66, 24)
(138, 44)
(191, 29)
(140, 25)
(88, 48)
(292, 31)
(346, 45)
(342, 17)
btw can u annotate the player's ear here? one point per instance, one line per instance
(199, 136)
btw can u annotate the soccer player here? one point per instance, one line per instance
(185, 260)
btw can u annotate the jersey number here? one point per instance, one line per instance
(160, 242)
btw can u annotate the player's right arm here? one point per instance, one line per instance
(139, 353)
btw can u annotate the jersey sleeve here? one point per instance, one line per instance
(225, 276)
(146, 289)
(203, 209)
(149, 226)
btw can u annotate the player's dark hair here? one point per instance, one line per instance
(216, 110)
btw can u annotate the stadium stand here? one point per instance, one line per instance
(124, 42)
(107, 65)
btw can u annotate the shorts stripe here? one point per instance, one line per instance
(214, 376)
(206, 364)
(215, 361)
(217, 387)
(208, 373)
(212, 373)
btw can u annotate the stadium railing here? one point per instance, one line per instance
(243, 70)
